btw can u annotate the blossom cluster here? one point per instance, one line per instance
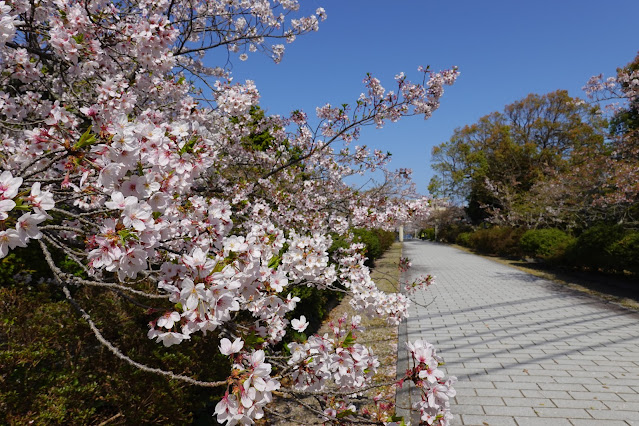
(114, 156)
(251, 387)
(33, 207)
(436, 391)
(324, 360)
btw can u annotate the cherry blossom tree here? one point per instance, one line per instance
(158, 177)
(620, 95)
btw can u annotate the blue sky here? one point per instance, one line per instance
(504, 51)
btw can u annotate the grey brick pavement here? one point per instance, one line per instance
(525, 351)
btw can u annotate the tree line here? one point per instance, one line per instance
(548, 161)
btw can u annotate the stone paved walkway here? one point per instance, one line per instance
(525, 351)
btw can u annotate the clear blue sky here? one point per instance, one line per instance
(504, 51)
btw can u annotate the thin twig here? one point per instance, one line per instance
(128, 360)
(80, 281)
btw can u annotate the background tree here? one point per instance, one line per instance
(621, 187)
(495, 164)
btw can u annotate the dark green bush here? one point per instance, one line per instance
(501, 241)
(463, 239)
(427, 234)
(593, 248)
(386, 239)
(625, 253)
(549, 244)
(370, 240)
(450, 232)
(314, 304)
(54, 371)
(376, 242)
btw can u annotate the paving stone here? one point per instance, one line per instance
(488, 420)
(629, 397)
(521, 386)
(586, 422)
(532, 379)
(480, 400)
(479, 384)
(627, 406)
(575, 387)
(579, 380)
(461, 409)
(545, 394)
(578, 413)
(620, 382)
(609, 388)
(466, 391)
(580, 403)
(614, 415)
(501, 393)
(596, 396)
(526, 351)
(529, 402)
(538, 421)
(509, 410)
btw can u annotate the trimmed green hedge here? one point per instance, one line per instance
(501, 241)
(549, 244)
(371, 241)
(386, 239)
(449, 233)
(54, 371)
(607, 247)
(427, 234)
(377, 241)
(626, 252)
(463, 239)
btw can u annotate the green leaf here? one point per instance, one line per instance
(86, 139)
(188, 147)
(274, 262)
(126, 235)
(345, 413)
(349, 340)
(252, 340)
(398, 419)
(21, 206)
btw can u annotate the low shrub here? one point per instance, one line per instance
(377, 241)
(371, 241)
(315, 304)
(427, 234)
(501, 241)
(463, 239)
(593, 248)
(54, 371)
(386, 239)
(550, 244)
(450, 232)
(625, 253)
